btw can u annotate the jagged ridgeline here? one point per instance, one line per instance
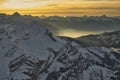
(28, 51)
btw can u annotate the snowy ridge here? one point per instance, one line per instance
(29, 51)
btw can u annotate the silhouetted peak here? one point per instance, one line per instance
(16, 14)
(103, 16)
(85, 16)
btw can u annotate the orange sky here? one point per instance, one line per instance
(61, 7)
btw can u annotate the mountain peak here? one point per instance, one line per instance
(103, 16)
(16, 14)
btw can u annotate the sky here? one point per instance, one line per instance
(61, 7)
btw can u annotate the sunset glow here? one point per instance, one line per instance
(61, 7)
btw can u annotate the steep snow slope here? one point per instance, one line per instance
(28, 51)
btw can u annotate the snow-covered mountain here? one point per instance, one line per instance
(28, 51)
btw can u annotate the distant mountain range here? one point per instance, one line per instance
(29, 51)
(95, 24)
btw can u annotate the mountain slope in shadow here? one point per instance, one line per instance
(107, 39)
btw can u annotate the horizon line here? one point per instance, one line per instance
(60, 15)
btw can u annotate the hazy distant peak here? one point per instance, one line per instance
(16, 14)
(103, 16)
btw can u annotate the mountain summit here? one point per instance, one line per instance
(16, 14)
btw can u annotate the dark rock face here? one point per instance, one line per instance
(29, 51)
